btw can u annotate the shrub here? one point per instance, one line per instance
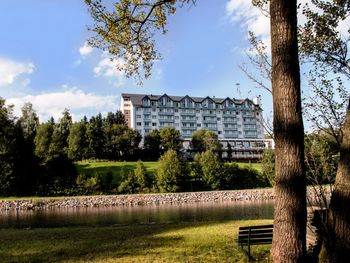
(212, 169)
(169, 172)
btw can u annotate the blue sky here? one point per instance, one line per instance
(44, 58)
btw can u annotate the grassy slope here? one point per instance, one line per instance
(119, 169)
(186, 242)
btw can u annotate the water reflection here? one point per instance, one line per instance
(201, 212)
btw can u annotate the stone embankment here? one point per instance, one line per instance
(140, 199)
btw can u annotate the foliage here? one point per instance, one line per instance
(77, 141)
(212, 169)
(95, 137)
(88, 185)
(268, 166)
(203, 140)
(137, 181)
(58, 176)
(43, 140)
(126, 31)
(29, 121)
(151, 144)
(321, 40)
(236, 177)
(169, 172)
(321, 158)
(170, 139)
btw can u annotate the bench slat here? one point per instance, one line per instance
(255, 236)
(246, 232)
(255, 227)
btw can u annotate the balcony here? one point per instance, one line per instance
(230, 135)
(230, 128)
(165, 113)
(230, 121)
(210, 121)
(229, 113)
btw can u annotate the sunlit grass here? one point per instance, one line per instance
(182, 242)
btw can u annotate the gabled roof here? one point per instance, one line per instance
(136, 99)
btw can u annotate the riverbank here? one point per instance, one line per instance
(181, 242)
(142, 199)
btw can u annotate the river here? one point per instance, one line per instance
(94, 216)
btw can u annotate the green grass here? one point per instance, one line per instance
(256, 166)
(119, 169)
(184, 242)
(116, 169)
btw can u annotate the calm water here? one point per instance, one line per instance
(201, 212)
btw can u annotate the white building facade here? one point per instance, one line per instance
(238, 123)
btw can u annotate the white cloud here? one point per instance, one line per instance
(108, 68)
(79, 103)
(250, 17)
(85, 50)
(10, 70)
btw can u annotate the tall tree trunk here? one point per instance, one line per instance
(337, 238)
(289, 240)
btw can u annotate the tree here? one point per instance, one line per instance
(170, 139)
(337, 243)
(42, 140)
(152, 144)
(121, 141)
(213, 170)
(203, 140)
(29, 121)
(127, 34)
(77, 141)
(326, 47)
(95, 137)
(115, 118)
(289, 242)
(169, 172)
(59, 140)
(7, 149)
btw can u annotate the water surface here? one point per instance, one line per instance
(193, 212)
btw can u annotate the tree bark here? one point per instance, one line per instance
(289, 235)
(337, 238)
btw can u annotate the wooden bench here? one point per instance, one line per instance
(254, 235)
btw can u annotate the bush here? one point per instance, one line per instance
(137, 181)
(89, 185)
(170, 172)
(211, 168)
(241, 178)
(268, 166)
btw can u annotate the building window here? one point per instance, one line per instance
(176, 117)
(219, 132)
(138, 123)
(176, 110)
(154, 117)
(138, 116)
(198, 125)
(154, 124)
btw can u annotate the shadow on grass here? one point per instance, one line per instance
(205, 242)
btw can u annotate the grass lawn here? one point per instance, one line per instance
(119, 169)
(115, 169)
(182, 242)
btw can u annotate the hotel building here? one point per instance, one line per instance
(236, 122)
